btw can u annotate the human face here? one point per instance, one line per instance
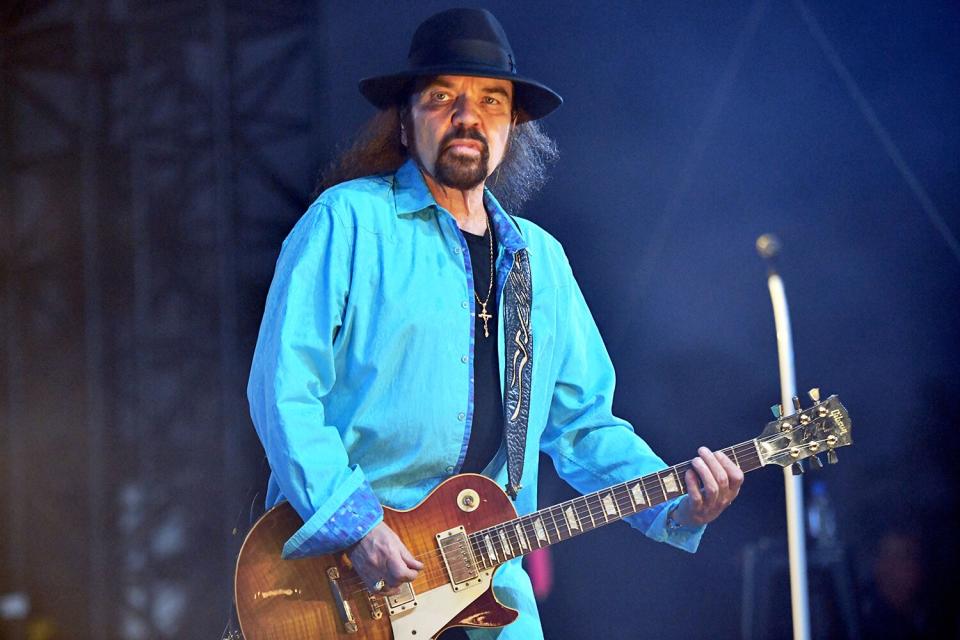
(460, 128)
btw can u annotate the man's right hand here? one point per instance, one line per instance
(380, 555)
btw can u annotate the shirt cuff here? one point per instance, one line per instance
(338, 523)
(682, 537)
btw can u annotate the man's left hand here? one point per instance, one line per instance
(712, 485)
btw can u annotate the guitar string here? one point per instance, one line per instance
(578, 503)
(651, 480)
(623, 502)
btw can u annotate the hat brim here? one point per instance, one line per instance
(533, 99)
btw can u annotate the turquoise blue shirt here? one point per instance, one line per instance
(361, 388)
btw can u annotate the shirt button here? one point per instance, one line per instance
(464, 359)
(461, 416)
(457, 250)
(464, 304)
(449, 469)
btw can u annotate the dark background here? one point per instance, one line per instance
(154, 155)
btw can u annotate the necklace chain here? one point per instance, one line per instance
(483, 303)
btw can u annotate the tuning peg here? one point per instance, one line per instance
(814, 394)
(815, 462)
(797, 468)
(776, 411)
(796, 404)
(832, 457)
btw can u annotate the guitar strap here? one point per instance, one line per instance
(518, 364)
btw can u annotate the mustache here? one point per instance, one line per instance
(462, 133)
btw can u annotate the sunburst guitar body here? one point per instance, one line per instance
(463, 531)
(322, 597)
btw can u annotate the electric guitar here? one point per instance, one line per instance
(462, 532)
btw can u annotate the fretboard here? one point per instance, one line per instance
(495, 545)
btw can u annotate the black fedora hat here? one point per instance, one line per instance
(462, 42)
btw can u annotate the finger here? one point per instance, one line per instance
(398, 570)
(715, 467)
(734, 472)
(710, 487)
(692, 480)
(410, 561)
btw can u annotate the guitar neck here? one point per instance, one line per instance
(495, 545)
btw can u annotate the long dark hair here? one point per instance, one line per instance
(377, 149)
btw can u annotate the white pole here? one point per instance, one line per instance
(796, 542)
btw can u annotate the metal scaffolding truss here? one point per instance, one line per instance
(153, 156)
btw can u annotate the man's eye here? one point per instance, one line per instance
(440, 96)
(491, 100)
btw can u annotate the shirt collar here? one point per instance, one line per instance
(506, 228)
(411, 195)
(410, 192)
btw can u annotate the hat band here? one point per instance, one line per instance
(467, 51)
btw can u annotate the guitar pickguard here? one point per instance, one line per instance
(436, 608)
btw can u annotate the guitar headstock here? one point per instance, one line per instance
(822, 427)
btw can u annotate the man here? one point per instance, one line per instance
(395, 349)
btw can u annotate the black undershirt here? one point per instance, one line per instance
(487, 429)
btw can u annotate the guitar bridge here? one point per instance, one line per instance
(343, 607)
(458, 558)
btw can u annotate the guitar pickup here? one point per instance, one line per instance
(402, 601)
(458, 558)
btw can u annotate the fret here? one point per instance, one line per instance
(560, 518)
(490, 550)
(596, 507)
(514, 539)
(559, 522)
(547, 524)
(755, 460)
(495, 545)
(682, 471)
(530, 532)
(639, 496)
(513, 535)
(670, 484)
(748, 450)
(505, 544)
(610, 507)
(633, 501)
(586, 503)
(663, 493)
(541, 530)
(478, 557)
(586, 514)
(573, 522)
(625, 500)
(522, 539)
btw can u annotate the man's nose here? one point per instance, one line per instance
(465, 112)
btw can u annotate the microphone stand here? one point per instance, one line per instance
(768, 246)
